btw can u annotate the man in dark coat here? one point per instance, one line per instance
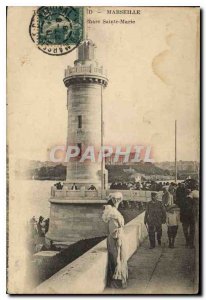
(155, 216)
(180, 194)
(188, 212)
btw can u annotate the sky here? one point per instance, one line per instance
(153, 72)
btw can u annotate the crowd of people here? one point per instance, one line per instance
(144, 185)
(122, 185)
(180, 204)
(38, 227)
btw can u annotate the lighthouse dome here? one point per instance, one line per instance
(86, 50)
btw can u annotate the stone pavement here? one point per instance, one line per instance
(162, 270)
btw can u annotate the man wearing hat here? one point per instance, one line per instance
(188, 217)
(155, 216)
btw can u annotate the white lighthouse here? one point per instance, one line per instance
(76, 214)
(85, 82)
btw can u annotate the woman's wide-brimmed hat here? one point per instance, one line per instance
(116, 197)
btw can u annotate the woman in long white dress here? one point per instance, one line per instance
(117, 266)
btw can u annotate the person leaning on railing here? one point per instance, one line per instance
(92, 188)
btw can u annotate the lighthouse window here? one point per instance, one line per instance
(79, 145)
(79, 121)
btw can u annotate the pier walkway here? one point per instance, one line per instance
(162, 270)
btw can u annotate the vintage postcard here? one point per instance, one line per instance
(103, 150)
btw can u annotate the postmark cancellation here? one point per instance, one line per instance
(57, 30)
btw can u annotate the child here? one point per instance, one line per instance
(172, 221)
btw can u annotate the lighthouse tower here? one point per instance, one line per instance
(76, 214)
(85, 82)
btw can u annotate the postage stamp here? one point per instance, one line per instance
(57, 30)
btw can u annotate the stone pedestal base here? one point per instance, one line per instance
(87, 183)
(74, 220)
